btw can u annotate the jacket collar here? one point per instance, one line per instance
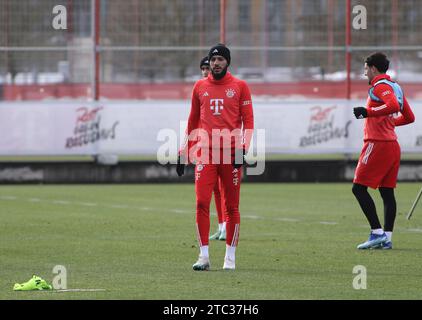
(227, 78)
(380, 77)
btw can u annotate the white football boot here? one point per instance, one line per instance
(229, 264)
(203, 264)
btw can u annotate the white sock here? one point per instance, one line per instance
(223, 228)
(389, 235)
(204, 251)
(230, 252)
(377, 231)
(220, 227)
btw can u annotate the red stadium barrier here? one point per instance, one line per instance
(178, 91)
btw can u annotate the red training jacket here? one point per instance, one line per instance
(221, 104)
(381, 120)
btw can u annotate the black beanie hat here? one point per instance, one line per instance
(204, 62)
(220, 50)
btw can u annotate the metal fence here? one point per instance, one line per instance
(152, 48)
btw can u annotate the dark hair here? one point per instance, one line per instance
(378, 60)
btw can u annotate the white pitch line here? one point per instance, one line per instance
(78, 290)
(8, 197)
(119, 206)
(287, 219)
(60, 202)
(413, 230)
(145, 208)
(87, 204)
(179, 211)
(252, 217)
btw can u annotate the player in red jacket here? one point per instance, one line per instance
(218, 194)
(379, 160)
(221, 119)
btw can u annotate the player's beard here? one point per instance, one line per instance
(219, 76)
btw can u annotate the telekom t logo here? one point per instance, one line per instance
(217, 105)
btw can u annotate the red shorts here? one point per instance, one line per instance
(378, 164)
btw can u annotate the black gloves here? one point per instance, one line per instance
(239, 155)
(180, 167)
(360, 112)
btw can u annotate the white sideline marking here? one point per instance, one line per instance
(252, 217)
(78, 290)
(287, 219)
(8, 198)
(142, 208)
(119, 206)
(88, 204)
(179, 211)
(61, 202)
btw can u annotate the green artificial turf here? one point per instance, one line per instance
(297, 241)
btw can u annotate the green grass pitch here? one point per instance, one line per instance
(297, 241)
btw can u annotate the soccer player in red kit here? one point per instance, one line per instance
(219, 201)
(221, 111)
(379, 160)
(204, 65)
